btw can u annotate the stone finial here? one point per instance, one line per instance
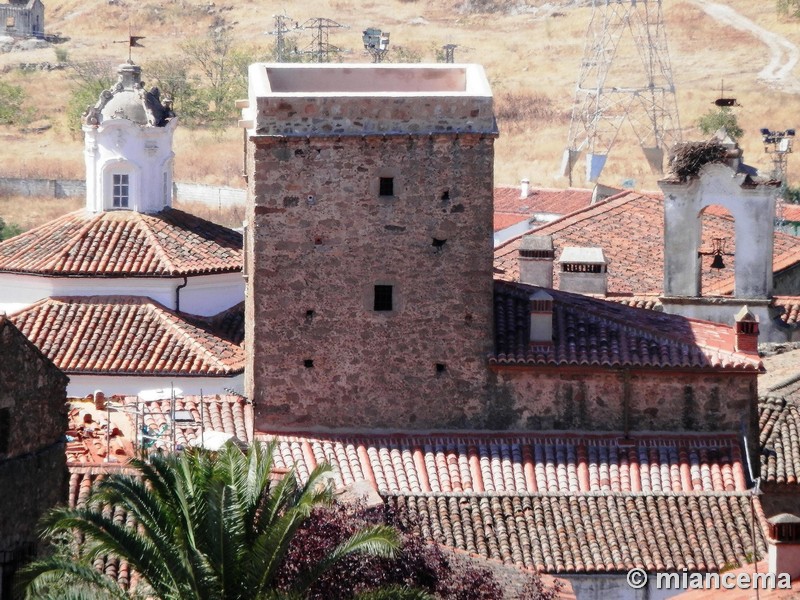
(746, 330)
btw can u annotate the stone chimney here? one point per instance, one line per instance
(541, 318)
(784, 545)
(524, 188)
(746, 328)
(583, 271)
(536, 260)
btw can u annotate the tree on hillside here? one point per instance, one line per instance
(223, 70)
(8, 230)
(12, 110)
(715, 119)
(89, 80)
(788, 7)
(202, 525)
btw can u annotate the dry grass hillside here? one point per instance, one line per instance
(531, 55)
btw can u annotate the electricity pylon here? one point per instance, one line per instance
(625, 75)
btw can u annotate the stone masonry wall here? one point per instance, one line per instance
(33, 391)
(334, 115)
(596, 400)
(33, 419)
(39, 482)
(321, 237)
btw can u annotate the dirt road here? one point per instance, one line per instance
(783, 54)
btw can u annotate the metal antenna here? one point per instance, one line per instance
(320, 49)
(376, 43)
(625, 75)
(283, 25)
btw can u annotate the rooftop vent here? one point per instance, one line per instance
(746, 328)
(541, 318)
(784, 544)
(583, 270)
(536, 260)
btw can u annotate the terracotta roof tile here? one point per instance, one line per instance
(630, 229)
(791, 212)
(590, 533)
(779, 426)
(790, 309)
(521, 463)
(541, 200)
(504, 219)
(593, 332)
(124, 243)
(125, 335)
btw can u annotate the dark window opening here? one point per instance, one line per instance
(440, 368)
(5, 429)
(445, 195)
(386, 186)
(309, 315)
(383, 298)
(308, 363)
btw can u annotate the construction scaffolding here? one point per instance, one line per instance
(625, 76)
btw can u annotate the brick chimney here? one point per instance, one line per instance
(524, 188)
(541, 318)
(784, 545)
(536, 260)
(746, 328)
(583, 271)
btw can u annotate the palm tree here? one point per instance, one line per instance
(206, 526)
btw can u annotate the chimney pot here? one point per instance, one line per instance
(541, 304)
(746, 330)
(536, 260)
(784, 545)
(524, 188)
(583, 271)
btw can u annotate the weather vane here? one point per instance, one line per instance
(133, 40)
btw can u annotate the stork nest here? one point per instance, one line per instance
(688, 158)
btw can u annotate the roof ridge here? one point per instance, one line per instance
(577, 494)
(178, 325)
(146, 226)
(571, 218)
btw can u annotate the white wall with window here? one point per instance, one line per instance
(128, 166)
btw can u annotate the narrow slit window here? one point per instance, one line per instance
(386, 186)
(120, 190)
(10, 22)
(383, 298)
(5, 429)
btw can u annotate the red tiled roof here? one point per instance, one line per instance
(520, 463)
(124, 243)
(779, 426)
(540, 200)
(592, 533)
(791, 212)
(123, 335)
(592, 332)
(629, 227)
(503, 219)
(790, 309)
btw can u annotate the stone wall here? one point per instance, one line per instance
(39, 482)
(33, 419)
(618, 400)
(323, 237)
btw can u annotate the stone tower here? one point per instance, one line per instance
(369, 244)
(128, 147)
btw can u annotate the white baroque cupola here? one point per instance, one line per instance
(128, 137)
